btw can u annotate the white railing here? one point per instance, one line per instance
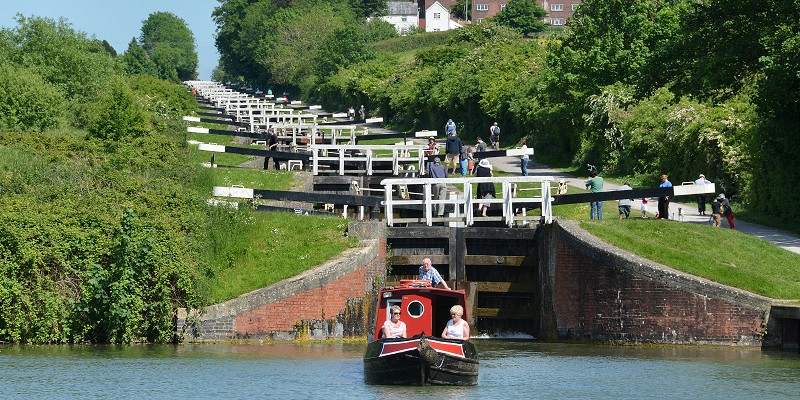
(369, 154)
(465, 204)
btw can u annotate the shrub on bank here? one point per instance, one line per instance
(28, 102)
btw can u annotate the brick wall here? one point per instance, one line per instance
(601, 293)
(319, 302)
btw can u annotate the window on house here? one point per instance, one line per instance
(482, 7)
(437, 15)
(404, 19)
(556, 7)
(557, 21)
(502, 7)
(480, 20)
(575, 7)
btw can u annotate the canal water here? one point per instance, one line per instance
(510, 369)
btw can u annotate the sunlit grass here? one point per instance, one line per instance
(275, 246)
(721, 255)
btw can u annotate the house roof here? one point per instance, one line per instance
(401, 8)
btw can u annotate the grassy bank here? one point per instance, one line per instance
(721, 255)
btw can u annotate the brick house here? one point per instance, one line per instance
(558, 11)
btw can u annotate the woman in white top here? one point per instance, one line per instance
(456, 328)
(394, 328)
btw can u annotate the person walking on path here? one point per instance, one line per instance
(716, 212)
(470, 160)
(701, 198)
(449, 127)
(485, 189)
(595, 185)
(644, 207)
(494, 136)
(272, 145)
(727, 211)
(362, 114)
(462, 159)
(452, 151)
(663, 201)
(439, 190)
(625, 204)
(523, 160)
(480, 147)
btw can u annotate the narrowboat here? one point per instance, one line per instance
(423, 358)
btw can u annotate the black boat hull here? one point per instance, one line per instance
(421, 361)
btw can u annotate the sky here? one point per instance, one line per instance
(117, 21)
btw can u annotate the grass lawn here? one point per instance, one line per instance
(276, 246)
(721, 255)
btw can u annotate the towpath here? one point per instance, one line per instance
(781, 238)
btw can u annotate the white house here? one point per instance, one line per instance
(437, 18)
(404, 15)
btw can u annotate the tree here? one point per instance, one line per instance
(235, 59)
(346, 46)
(60, 55)
(368, 8)
(292, 39)
(136, 61)
(522, 15)
(462, 10)
(170, 44)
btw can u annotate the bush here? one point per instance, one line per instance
(27, 102)
(120, 116)
(96, 246)
(164, 99)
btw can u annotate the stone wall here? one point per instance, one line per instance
(323, 302)
(597, 292)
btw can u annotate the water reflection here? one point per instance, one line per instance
(509, 369)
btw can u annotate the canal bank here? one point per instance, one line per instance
(555, 282)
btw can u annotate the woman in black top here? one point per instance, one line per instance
(485, 189)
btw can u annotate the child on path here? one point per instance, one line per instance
(644, 207)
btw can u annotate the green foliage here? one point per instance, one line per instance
(377, 29)
(120, 116)
(69, 250)
(523, 15)
(285, 245)
(170, 45)
(162, 98)
(136, 61)
(76, 66)
(344, 47)
(292, 45)
(293, 37)
(235, 40)
(27, 102)
(461, 9)
(368, 8)
(403, 44)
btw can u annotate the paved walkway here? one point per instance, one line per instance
(786, 240)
